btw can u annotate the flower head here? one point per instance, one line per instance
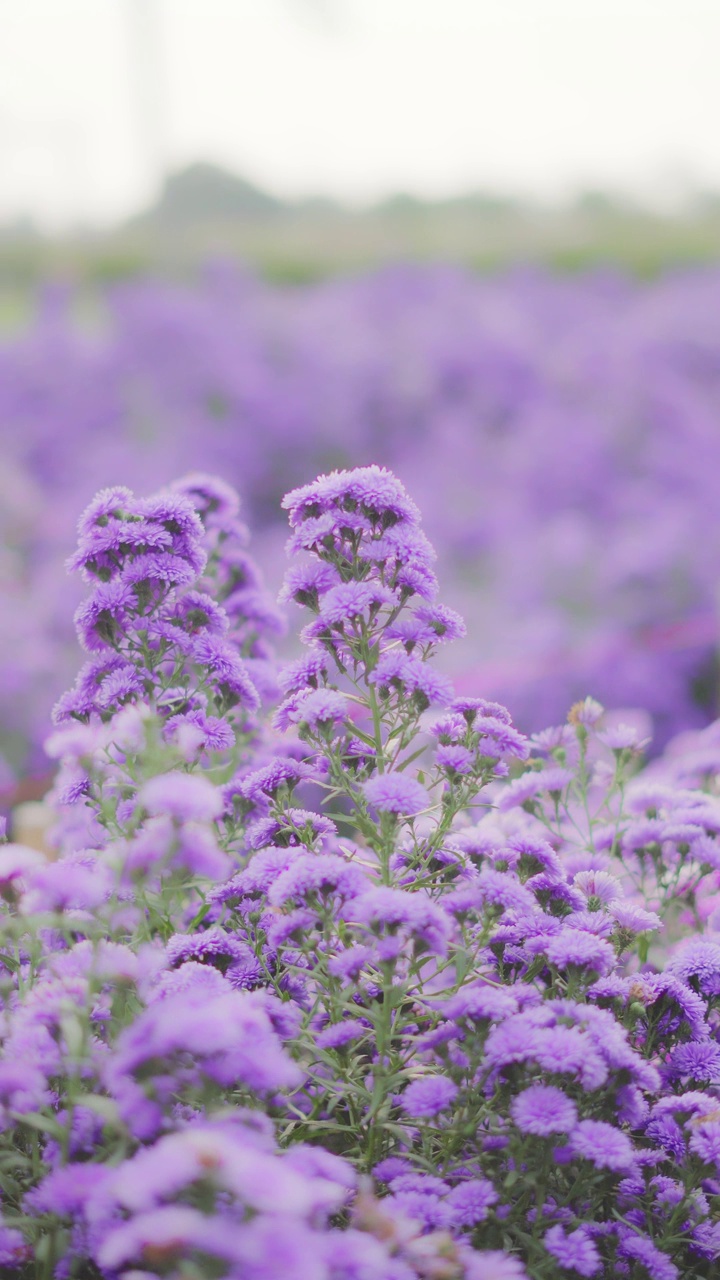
(428, 1096)
(574, 1250)
(543, 1109)
(396, 793)
(185, 797)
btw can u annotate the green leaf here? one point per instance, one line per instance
(198, 919)
(14, 1160)
(106, 1108)
(44, 1124)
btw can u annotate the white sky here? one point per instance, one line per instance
(352, 97)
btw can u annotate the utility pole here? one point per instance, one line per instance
(147, 86)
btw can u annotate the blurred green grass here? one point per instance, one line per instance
(300, 249)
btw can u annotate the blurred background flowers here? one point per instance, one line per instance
(475, 240)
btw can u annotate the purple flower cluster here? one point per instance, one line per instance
(591, 400)
(374, 986)
(146, 620)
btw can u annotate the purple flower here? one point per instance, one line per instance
(426, 1211)
(480, 1002)
(14, 1251)
(623, 737)
(176, 513)
(574, 948)
(444, 624)
(392, 1167)
(349, 964)
(118, 687)
(71, 883)
(602, 1144)
(374, 491)
(396, 793)
(635, 918)
(197, 611)
(471, 1201)
(697, 962)
(637, 1248)
(229, 671)
(705, 1141)
(454, 758)
(16, 862)
(494, 1265)
(306, 583)
(209, 496)
(339, 1034)
(543, 1109)
(555, 1048)
(161, 842)
(108, 504)
(428, 1096)
(226, 1038)
(406, 674)
(102, 551)
(575, 1250)
(282, 771)
(424, 1183)
(101, 619)
(23, 1086)
(157, 571)
(415, 579)
(171, 1233)
(82, 699)
(699, 1060)
(193, 979)
(236, 1158)
(504, 890)
(321, 875)
(400, 545)
(319, 707)
(498, 739)
(196, 731)
(673, 1005)
(350, 600)
(304, 672)
(598, 886)
(212, 946)
(291, 828)
(555, 780)
(470, 708)
(184, 796)
(389, 910)
(587, 712)
(66, 1190)
(257, 877)
(522, 791)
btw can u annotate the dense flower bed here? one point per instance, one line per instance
(337, 975)
(560, 435)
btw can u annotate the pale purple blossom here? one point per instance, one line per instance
(319, 707)
(183, 796)
(428, 1096)
(603, 1145)
(398, 793)
(543, 1109)
(656, 1263)
(574, 1250)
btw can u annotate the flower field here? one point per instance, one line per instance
(338, 968)
(559, 434)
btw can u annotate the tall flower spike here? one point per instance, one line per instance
(367, 579)
(164, 649)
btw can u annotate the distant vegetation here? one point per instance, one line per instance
(204, 210)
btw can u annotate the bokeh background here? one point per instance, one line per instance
(477, 241)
